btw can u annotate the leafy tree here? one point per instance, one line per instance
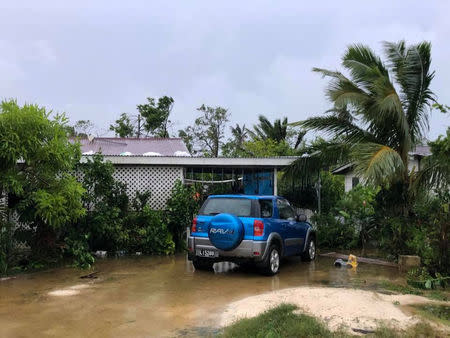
(188, 139)
(123, 126)
(208, 131)
(387, 118)
(36, 161)
(267, 148)
(443, 108)
(83, 128)
(156, 115)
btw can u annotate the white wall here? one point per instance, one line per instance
(348, 181)
(412, 164)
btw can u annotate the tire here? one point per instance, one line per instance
(271, 263)
(310, 250)
(203, 264)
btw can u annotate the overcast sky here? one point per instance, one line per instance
(96, 59)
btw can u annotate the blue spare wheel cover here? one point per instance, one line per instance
(225, 231)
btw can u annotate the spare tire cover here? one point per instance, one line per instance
(225, 231)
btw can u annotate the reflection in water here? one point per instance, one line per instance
(152, 296)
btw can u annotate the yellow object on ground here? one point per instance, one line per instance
(352, 261)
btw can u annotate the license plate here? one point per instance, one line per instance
(207, 253)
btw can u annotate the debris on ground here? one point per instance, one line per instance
(351, 262)
(361, 259)
(91, 275)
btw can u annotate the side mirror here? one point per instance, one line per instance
(301, 218)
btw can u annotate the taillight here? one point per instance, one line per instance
(258, 227)
(194, 225)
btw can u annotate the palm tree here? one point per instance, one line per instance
(266, 130)
(240, 135)
(279, 131)
(381, 112)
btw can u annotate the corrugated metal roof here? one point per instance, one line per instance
(421, 150)
(133, 146)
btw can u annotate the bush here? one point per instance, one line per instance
(106, 202)
(182, 206)
(78, 248)
(146, 231)
(349, 224)
(113, 223)
(333, 232)
(5, 245)
(424, 232)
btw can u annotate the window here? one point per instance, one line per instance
(355, 181)
(236, 206)
(266, 208)
(285, 210)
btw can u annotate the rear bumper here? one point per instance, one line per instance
(248, 249)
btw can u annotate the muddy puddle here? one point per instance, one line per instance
(153, 296)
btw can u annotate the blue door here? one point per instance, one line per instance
(259, 183)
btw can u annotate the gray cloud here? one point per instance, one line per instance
(94, 60)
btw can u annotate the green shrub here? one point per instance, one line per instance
(424, 232)
(78, 248)
(332, 232)
(107, 205)
(182, 206)
(349, 224)
(145, 230)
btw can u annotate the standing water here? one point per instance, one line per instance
(152, 296)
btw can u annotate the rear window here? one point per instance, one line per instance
(236, 206)
(266, 208)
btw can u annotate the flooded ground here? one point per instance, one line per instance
(152, 296)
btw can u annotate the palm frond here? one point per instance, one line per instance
(411, 68)
(377, 164)
(342, 91)
(364, 65)
(337, 127)
(317, 157)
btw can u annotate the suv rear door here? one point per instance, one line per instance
(288, 221)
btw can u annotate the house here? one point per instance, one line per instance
(155, 164)
(352, 180)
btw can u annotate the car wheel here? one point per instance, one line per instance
(310, 252)
(271, 264)
(203, 264)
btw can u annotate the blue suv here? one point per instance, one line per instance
(248, 228)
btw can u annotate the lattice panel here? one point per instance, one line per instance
(159, 180)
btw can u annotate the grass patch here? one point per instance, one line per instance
(282, 322)
(440, 313)
(419, 330)
(441, 295)
(403, 289)
(278, 322)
